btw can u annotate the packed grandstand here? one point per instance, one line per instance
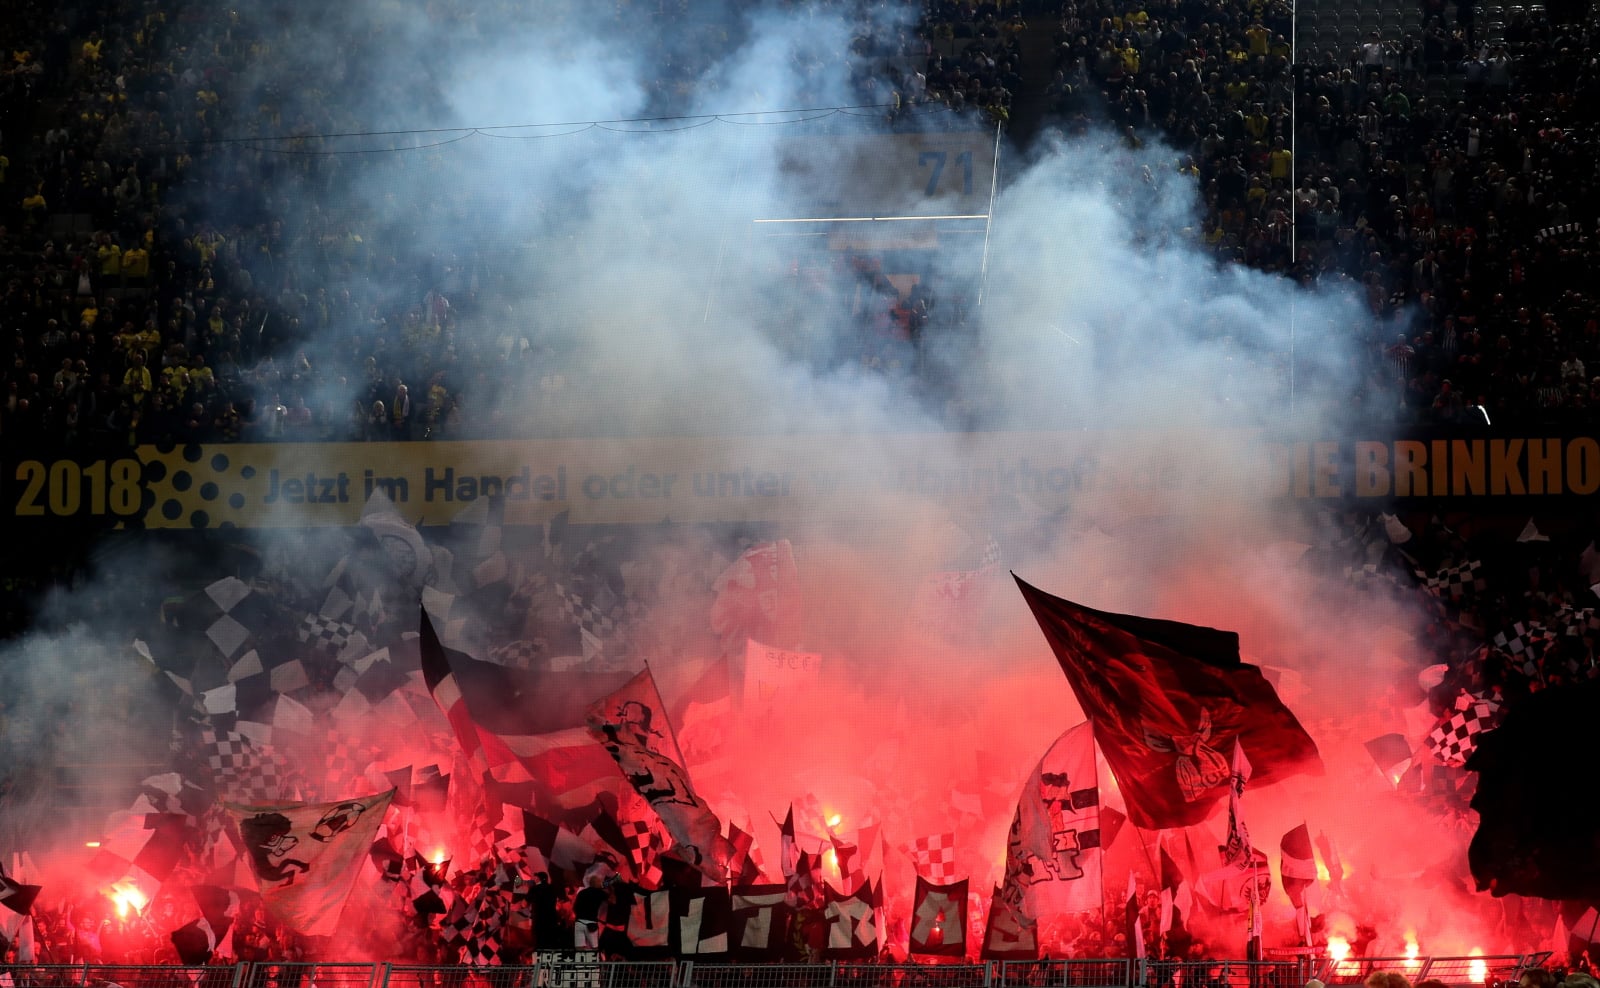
(234, 238)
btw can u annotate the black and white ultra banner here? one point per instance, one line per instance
(305, 856)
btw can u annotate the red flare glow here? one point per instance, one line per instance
(1478, 970)
(127, 898)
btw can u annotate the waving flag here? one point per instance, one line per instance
(1054, 853)
(140, 849)
(1177, 900)
(305, 856)
(1133, 920)
(1298, 867)
(1454, 738)
(934, 856)
(531, 716)
(1166, 699)
(631, 724)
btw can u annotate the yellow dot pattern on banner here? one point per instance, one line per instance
(193, 487)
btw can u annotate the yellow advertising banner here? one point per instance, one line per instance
(603, 481)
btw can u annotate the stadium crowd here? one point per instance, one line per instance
(137, 308)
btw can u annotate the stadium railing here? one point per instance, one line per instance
(586, 970)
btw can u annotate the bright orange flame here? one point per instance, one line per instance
(91, 843)
(1478, 970)
(833, 821)
(437, 857)
(1413, 951)
(1322, 872)
(1338, 948)
(126, 897)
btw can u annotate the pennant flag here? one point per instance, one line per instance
(1133, 922)
(1519, 763)
(939, 919)
(758, 596)
(1007, 936)
(852, 924)
(852, 870)
(1456, 736)
(1238, 850)
(1054, 852)
(632, 726)
(16, 896)
(1177, 899)
(532, 716)
(742, 865)
(1530, 533)
(806, 885)
(789, 854)
(1392, 754)
(1165, 700)
(305, 856)
(196, 942)
(1298, 868)
(760, 923)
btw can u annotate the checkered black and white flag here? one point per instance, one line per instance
(934, 857)
(1524, 645)
(242, 770)
(1455, 737)
(1452, 582)
(595, 616)
(519, 654)
(319, 630)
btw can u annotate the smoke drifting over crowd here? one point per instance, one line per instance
(618, 270)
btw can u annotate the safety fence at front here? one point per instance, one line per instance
(585, 969)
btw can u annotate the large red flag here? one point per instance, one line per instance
(1167, 700)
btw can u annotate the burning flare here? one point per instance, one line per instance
(127, 897)
(1478, 969)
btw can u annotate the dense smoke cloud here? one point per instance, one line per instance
(623, 259)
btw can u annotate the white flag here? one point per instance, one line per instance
(305, 856)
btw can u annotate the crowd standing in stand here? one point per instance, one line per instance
(1421, 173)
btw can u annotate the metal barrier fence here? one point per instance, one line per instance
(121, 975)
(1065, 973)
(1220, 974)
(308, 975)
(912, 975)
(574, 969)
(694, 974)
